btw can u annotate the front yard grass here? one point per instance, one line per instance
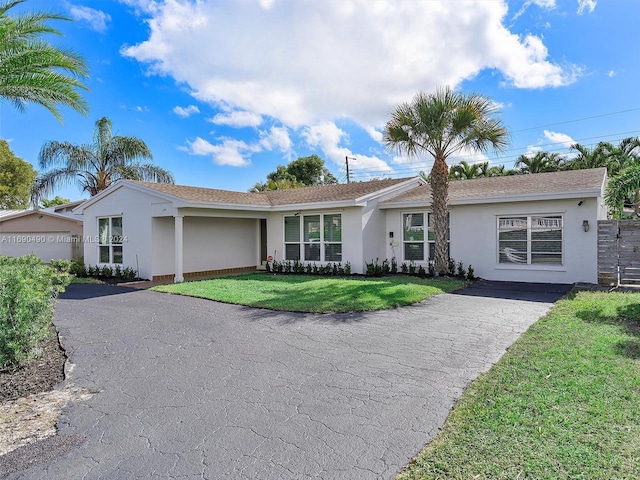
(299, 293)
(563, 402)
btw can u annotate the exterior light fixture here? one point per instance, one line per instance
(585, 225)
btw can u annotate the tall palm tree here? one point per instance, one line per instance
(35, 71)
(539, 163)
(441, 124)
(95, 166)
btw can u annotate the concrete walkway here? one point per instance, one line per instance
(189, 388)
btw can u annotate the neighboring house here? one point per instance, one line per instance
(525, 228)
(50, 233)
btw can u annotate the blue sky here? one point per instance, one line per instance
(224, 91)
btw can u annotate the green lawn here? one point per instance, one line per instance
(299, 293)
(563, 403)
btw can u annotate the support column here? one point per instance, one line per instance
(179, 250)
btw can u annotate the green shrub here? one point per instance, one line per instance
(28, 289)
(60, 265)
(394, 266)
(470, 273)
(78, 268)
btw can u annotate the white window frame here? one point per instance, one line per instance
(429, 244)
(306, 243)
(111, 241)
(517, 258)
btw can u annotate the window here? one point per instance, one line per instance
(110, 240)
(319, 237)
(530, 240)
(413, 237)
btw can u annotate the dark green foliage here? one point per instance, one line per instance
(432, 269)
(394, 266)
(451, 267)
(422, 272)
(404, 268)
(28, 289)
(297, 267)
(470, 274)
(106, 271)
(461, 272)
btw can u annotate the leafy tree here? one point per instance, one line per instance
(539, 163)
(16, 179)
(35, 71)
(303, 172)
(95, 166)
(54, 202)
(441, 124)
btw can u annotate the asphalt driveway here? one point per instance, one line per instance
(189, 388)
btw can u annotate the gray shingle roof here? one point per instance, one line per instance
(496, 187)
(322, 194)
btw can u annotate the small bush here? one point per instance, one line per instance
(78, 268)
(28, 289)
(374, 269)
(451, 267)
(470, 273)
(106, 271)
(422, 273)
(347, 268)
(404, 268)
(412, 268)
(432, 268)
(394, 266)
(462, 273)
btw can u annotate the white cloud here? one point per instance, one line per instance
(96, 19)
(276, 138)
(185, 112)
(611, 73)
(559, 139)
(230, 152)
(237, 119)
(544, 4)
(353, 59)
(328, 137)
(587, 6)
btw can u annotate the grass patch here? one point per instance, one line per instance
(299, 293)
(85, 280)
(563, 402)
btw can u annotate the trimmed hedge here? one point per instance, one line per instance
(28, 289)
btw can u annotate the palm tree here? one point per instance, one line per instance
(464, 171)
(621, 187)
(539, 163)
(440, 124)
(32, 70)
(607, 155)
(94, 167)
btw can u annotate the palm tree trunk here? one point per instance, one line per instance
(439, 195)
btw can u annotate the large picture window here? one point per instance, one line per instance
(530, 240)
(313, 238)
(417, 247)
(110, 240)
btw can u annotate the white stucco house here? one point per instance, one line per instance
(530, 228)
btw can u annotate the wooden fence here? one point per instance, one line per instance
(619, 252)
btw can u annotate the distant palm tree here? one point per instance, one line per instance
(32, 70)
(607, 155)
(539, 163)
(94, 167)
(464, 171)
(441, 124)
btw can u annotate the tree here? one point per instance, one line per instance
(16, 179)
(95, 166)
(303, 172)
(440, 124)
(539, 163)
(464, 171)
(606, 155)
(625, 184)
(54, 202)
(33, 70)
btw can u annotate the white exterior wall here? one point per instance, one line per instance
(214, 243)
(163, 247)
(136, 227)
(474, 239)
(352, 239)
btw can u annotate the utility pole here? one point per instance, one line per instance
(346, 161)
